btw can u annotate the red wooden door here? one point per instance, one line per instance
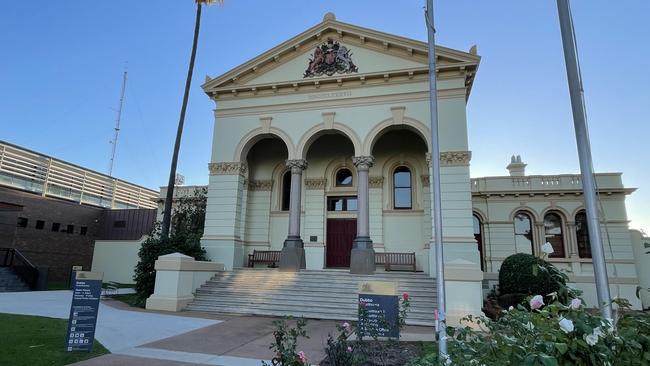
(340, 234)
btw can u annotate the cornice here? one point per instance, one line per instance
(455, 158)
(260, 185)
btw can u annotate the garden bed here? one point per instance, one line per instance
(386, 353)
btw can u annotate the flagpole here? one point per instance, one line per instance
(434, 188)
(584, 155)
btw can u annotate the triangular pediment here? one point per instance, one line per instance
(370, 53)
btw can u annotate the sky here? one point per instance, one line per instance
(61, 69)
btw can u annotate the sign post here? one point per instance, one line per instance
(73, 274)
(378, 309)
(83, 311)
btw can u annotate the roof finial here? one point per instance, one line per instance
(329, 16)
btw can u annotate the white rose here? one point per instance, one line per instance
(591, 339)
(575, 304)
(599, 332)
(566, 325)
(547, 248)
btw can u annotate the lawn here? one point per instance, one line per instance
(34, 341)
(129, 299)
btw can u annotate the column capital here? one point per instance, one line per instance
(363, 162)
(297, 165)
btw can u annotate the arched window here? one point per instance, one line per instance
(524, 231)
(286, 190)
(478, 235)
(402, 188)
(553, 234)
(344, 178)
(582, 234)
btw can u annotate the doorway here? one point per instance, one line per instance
(340, 234)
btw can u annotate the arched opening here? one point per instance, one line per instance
(286, 191)
(582, 235)
(329, 157)
(553, 233)
(400, 153)
(478, 236)
(524, 231)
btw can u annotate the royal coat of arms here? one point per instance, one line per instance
(330, 58)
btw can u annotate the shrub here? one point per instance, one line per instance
(526, 274)
(185, 237)
(553, 335)
(285, 343)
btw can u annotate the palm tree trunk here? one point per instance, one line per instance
(167, 213)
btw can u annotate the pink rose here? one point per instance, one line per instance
(575, 304)
(346, 326)
(302, 357)
(405, 296)
(536, 302)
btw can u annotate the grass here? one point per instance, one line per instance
(129, 299)
(34, 341)
(51, 286)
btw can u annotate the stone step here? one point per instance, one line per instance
(10, 282)
(315, 314)
(327, 274)
(334, 288)
(415, 296)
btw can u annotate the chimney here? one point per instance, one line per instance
(516, 167)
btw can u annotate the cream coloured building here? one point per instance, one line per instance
(321, 149)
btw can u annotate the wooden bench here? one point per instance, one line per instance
(270, 257)
(390, 259)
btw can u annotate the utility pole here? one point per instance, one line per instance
(434, 188)
(117, 125)
(576, 92)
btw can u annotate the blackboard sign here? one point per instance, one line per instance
(378, 309)
(83, 311)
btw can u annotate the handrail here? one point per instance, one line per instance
(20, 265)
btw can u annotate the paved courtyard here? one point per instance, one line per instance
(140, 337)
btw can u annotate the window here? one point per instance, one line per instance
(70, 229)
(119, 224)
(83, 230)
(22, 222)
(582, 234)
(56, 226)
(402, 188)
(553, 234)
(341, 204)
(478, 235)
(344, 178)
(286, 190)
(40, 224)
(524, 231)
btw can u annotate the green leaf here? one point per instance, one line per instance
(548, 360)
(562, 347)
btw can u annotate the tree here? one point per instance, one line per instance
(181, 121)
(185, 237)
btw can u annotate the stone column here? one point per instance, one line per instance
(292, 258)
(362, 257)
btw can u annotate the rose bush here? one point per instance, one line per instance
(555, 334)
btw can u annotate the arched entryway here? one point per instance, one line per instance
(330, 162)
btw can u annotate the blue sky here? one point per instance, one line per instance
(62, 61)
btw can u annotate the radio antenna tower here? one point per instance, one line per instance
(117, 125)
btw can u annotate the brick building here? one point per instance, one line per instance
(53, 211)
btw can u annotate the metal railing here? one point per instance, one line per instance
(13, 258)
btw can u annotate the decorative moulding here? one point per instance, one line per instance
(376, 182)
(398, 115)
(455, 158)
(315, 183)
(260, 185)
(228, 168)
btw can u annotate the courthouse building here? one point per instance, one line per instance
(321, 151)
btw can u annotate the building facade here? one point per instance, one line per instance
(321, 150)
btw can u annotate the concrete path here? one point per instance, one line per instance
(140, 337)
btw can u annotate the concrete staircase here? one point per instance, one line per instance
(10, 282)
(322, 294)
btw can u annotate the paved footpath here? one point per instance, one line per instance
(146, 338)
